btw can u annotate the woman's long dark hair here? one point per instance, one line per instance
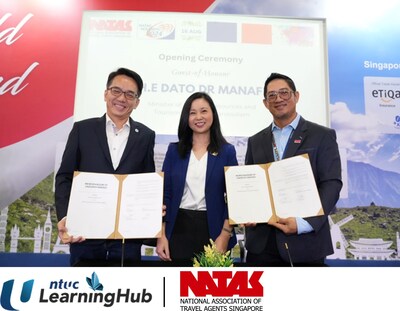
(185, 133)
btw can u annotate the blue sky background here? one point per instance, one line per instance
(356, 31)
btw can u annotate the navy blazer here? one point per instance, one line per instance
(175, 169)
(320, 144)
(87, 151)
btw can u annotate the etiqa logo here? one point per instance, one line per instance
(5, 298)
(221, 283)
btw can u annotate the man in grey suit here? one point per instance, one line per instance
(114, 144)
(294, 240)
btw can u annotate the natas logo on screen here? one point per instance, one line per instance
(110, 25)
(221, 283)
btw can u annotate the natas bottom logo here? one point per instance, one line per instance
(221, 290)
(5, 298)
(221, 283)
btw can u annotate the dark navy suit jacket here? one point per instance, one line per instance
(87, 151)
(320, 144)
(175, 169)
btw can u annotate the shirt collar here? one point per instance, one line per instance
(111, 122)
(292, 124)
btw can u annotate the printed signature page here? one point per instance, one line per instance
(141, 206)
(92, 205)
(293, 188)
(247, 194)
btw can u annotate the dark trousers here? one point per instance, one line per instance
(269, 260)
(105, 252)
(189, 236)
(270, 256)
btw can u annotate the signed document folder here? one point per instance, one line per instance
(111, 206)
(263, 193)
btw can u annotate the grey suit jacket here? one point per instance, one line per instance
(320, 144)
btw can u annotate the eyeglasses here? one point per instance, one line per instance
(285, 94)
(116, 91)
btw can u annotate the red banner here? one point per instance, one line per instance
(39, 44)
(39, 47)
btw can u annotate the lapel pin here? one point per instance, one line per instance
(297, 141)
(136, 130)
(214, 154)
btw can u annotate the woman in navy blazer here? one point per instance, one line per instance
(194, 184)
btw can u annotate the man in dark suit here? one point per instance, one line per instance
(114, 144)
(293, 240)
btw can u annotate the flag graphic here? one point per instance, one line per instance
(256, 33)
(301, 36)
(221, 32)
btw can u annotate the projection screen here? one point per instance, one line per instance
(227, 56)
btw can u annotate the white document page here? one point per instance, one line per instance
(92, 205)
(248, 196)
(293, 188)
(141, 206)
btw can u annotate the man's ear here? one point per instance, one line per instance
(265, 102)
(137, 103)
(297, 96)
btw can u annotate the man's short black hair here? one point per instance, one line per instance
(126, 72)
(275, 76)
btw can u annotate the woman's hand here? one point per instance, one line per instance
(162, 248)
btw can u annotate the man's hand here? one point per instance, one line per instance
(63, 233)
(248, 224)
(286, 225)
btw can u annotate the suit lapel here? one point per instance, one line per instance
(182, 168)
(132, 138)
(296, 140)
(267, 148)
(101, 134)
(211, 160)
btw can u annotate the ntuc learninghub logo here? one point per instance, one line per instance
(61, 292)
(221, 283)
(67, 291)
(5, 298)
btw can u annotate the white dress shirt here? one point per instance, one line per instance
(194, 192)
(117, 140)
